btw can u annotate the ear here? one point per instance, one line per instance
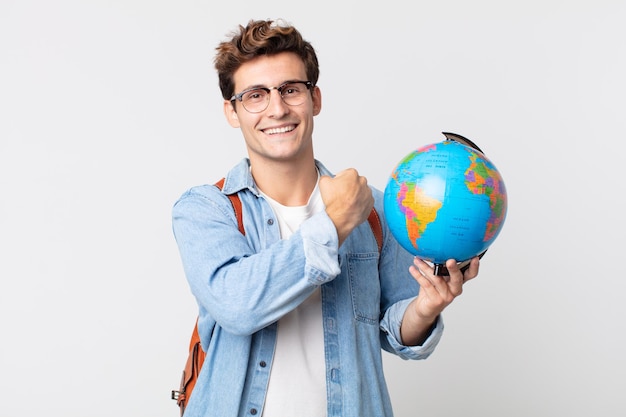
(317, 101)
(231, 113)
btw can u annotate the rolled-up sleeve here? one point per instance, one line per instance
(320, 243)
(390, 325)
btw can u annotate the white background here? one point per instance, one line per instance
(110, 109)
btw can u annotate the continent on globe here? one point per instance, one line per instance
(445, 200)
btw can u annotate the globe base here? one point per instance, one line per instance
(442, 271)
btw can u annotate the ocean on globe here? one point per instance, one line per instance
(445, 201)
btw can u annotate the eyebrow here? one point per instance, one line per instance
(255, 86)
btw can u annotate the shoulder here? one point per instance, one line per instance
(203, 202)
(235, 180)
(206, 191)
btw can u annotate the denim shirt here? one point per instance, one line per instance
(244, 284)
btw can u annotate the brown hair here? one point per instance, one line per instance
(261, 37)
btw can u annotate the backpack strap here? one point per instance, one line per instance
(236, 202)
(377, 229)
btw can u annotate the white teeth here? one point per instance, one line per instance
(279, 130)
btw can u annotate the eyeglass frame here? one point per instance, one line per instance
(239, 97)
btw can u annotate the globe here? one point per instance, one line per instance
(445, 200)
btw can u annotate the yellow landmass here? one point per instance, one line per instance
(421, 210)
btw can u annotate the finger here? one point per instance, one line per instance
(435, 281)
(424, 268)
(454, 271)
(455, 283)
(418, 270)
(472, 271)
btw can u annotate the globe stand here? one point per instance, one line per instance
(442, 271)
(462, 140)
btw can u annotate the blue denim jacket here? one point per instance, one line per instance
(244, 284)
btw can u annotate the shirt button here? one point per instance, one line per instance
(270, 221)
(253, 411)
(262, 364)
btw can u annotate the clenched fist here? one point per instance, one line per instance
(348, 200)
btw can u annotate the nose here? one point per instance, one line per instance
(276, 107)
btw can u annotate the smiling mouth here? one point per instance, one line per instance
(276, 130)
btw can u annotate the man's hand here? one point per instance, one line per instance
(436, 293)
(348, 200)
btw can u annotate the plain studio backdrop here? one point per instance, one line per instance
(110, 109)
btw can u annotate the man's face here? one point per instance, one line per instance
(281, 132)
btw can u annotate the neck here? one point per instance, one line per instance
(288, 184)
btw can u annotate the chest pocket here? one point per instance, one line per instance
(364, 286)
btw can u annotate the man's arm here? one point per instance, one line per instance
(436, 293)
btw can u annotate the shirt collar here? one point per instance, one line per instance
(240, 178)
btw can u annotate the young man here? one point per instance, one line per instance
(293, 315)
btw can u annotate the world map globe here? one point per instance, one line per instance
(445, 200)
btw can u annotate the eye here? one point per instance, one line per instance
(290, 89)
(254, 95)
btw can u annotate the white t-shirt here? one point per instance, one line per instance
(297, 383)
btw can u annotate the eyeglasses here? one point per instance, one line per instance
(256, 99)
